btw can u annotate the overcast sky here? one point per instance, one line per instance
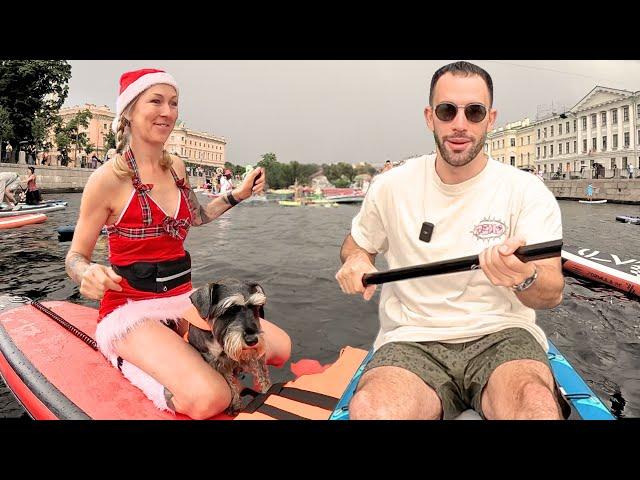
(330, 111)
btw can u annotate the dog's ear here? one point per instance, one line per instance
(255, 287)
(204, 299)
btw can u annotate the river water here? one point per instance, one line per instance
(293, 254)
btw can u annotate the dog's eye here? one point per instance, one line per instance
(233, 310)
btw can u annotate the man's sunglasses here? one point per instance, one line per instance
(475, 112)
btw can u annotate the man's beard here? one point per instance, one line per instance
(463, 158)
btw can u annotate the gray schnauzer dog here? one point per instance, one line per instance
(235, 344)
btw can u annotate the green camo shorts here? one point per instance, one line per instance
(458, 372)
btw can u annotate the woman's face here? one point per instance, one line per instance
(154, 114)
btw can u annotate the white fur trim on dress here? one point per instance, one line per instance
(123, 319)
(152, 388)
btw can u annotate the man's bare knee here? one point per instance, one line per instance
(537, 401)
(394, 393)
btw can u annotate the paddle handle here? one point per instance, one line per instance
(527, 253)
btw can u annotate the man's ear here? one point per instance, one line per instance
(204, 298)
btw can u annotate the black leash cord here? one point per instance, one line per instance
(76, 331)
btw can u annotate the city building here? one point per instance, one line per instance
(608, 132)
(197, 147)
(512, 144)
(99, 126)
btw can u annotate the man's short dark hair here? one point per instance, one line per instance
(465, 69)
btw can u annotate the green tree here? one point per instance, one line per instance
(366, 168)
(32, 92)
(6, 130)
(109, 140)
(68, 135)
(276, 175)
(338, 172)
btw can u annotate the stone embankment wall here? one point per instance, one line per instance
(58, 179)
(613, 190)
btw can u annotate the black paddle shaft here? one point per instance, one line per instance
(527, 253)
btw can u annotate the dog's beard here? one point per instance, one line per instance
(235, 348)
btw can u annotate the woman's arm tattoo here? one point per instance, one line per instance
(205, 214)
(75, 265)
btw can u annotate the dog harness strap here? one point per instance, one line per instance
(278, 413)
(326, 402)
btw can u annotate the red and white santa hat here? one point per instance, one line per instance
(134, 83)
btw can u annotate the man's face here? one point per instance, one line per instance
(459, 141)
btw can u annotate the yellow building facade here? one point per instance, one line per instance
(197, 147)
(512, 144)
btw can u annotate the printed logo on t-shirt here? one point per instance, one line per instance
(489, 229)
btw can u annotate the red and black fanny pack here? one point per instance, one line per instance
(157, 277)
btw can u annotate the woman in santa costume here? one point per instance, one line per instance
(143, 198)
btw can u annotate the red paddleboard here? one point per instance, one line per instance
(19, 221)
(620, 272)
(55, 375)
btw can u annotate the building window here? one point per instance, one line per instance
(513, 142)
(593, 120)
(603, 116)
(105, 126)
(551, 151)
(521, 141)
(513, 161)
(567, 127)
(538, 134)
(538, 157)
(567, 149)
(624, 163)
(559, 149)
(528, 139)
(560, 129)
(614, 116)
(527, 158)
(613, 163)
(615, 141)
(551, 127)
(575, 146)
(544, 152)
(626, 139)
(584, 145)
(625, 113)
(552, 165)
(604, 144)
(545, 132)
(594, 144)
(584, 123)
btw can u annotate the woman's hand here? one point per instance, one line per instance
(97, 279)
(247, 188)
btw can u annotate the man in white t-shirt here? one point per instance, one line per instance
(452, 342)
